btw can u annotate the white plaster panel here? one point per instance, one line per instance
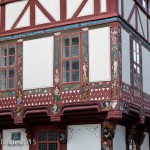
(125, 56)
(99, 55)
(119, 141)
(72, 7)
(119, 7)
(88, 9)
(25, 20)
(149, 28)
(103, 6)
(13, 11)
(145, 144)
(84, 137)
(144, 23)
(133, 21)
(38, 63)
(146, 70)
(40, 18)
(128, 5)
(7, 138)
(53, 7)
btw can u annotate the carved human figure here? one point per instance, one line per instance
(56, 76)
(57, 94)
(85, 72)
(115, 67)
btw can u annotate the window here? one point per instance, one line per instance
(70, 58)
(7, 67)
(132, 143)
(47, 140)
(136, 64)
(143, 3)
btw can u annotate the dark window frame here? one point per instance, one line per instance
(47, 141)
(71, 58)
(8, 67)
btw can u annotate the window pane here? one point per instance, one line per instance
(75, 50)
(11, 83)
(66, 77)
(4, 51)
(11, 73)
(66, 41)
(75, 40)
(11, 60)
(3, 84)
(134, 45)
(12, 50)
(3, 61)
(52, 146)
(52, 136)
(75, 75)
(42, 146)
(138, 59)
(3, 74)
(138, 70)
(137, 48)
(134, 56)
(75, 65)
(66, 66)
(42, 136)
(134, 68)
(66, 52)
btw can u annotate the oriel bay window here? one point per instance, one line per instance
(71, 58)
(7, 67)
(137, 75)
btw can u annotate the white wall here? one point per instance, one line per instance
(13, 11)
(22, 144)
(128, 5)
(103, 6)
(99, 54)
(146, 70)
(84, 137)
(119, 141)
(145, 144)
(125, 56)
(38, 63)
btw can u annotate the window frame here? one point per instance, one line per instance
(8, 66)
(136, 64)
(71, 58)
(47, 141)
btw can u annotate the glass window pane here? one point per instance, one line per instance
(66, 77)
(11, 60)
(3, 74)
(137, 48)
(134, 56)
(66, 52)
(75, 40)
(52, 136)
(75, 75)
(66, 66)
(42, 136)
(75, 65)
(75, 50)
(4, 51)
(138, 59)
(3, 61)
(66, 41)
(42, 146)
(12, 50)
(3, 84)
(11, 73)
(138, 70)
(11, 83)
(134, 45)
(134, 68)
(52, 146)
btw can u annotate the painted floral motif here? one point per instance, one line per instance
(70, 87)
(109, 105)
(107, 145)
(73, 131)
(18, 112)
(20, 69)
(94, 131)
(57, 94)
(55, 109)
(7, 94)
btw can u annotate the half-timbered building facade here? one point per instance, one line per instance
(74, 74)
